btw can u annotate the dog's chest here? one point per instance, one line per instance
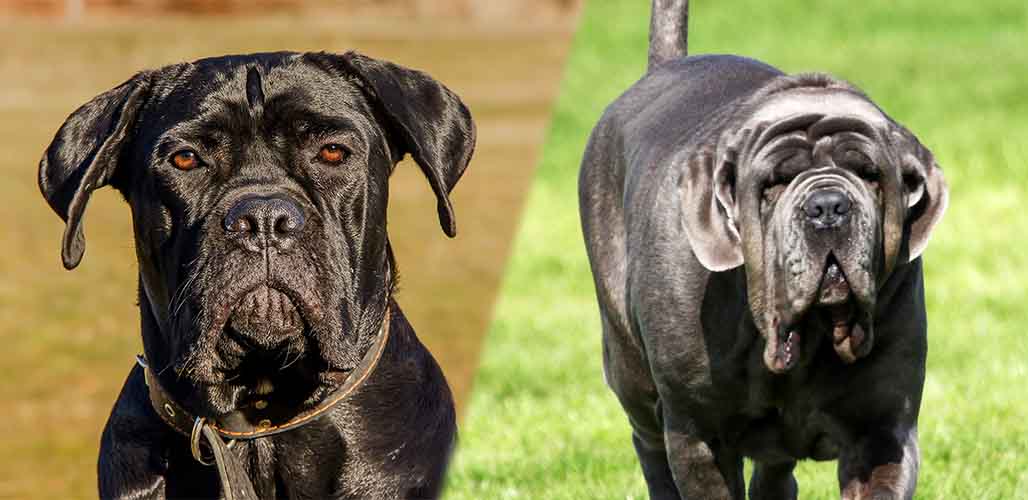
(285, 466)
(784, 418)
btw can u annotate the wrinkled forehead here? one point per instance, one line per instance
(827, 102)
(258, 87)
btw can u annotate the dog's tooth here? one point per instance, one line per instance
(789, 349)
(264, 387)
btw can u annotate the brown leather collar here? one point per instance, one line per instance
(239, 424)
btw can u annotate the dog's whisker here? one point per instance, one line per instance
(184, 285)
(180, 294)
(299, 355)
(162, 370)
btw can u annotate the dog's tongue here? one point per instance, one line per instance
(266, 311)
(834, 287)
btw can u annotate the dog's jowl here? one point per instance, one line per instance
(755, 240)
(277, 363)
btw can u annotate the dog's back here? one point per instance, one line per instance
(668, 108)
(665, 109)
(649, 115)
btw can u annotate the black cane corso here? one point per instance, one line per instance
(277, 364)
(755, 240)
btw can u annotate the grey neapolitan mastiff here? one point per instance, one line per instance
(755, 240)
(277, 363)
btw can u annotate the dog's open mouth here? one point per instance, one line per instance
(839, 306)
(834, 310)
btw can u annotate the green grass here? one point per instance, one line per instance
(542, 424)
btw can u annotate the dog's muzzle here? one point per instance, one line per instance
(824, 242)
(266, 315)
(258, 224)
(836, 297)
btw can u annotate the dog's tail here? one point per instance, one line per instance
(669, 29)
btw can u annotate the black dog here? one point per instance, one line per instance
(258, 186)
(755, 240)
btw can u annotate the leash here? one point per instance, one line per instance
(238, 425)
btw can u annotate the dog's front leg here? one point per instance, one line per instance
(703, 471)
(880, 467)
(653, 458)
(128, 473)
(131, 463)
(773, 481)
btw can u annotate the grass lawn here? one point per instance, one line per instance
(542, 424)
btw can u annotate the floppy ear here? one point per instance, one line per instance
(923, 195)
(927, 197)
(84, 156)
(707, 189)
(431, 121)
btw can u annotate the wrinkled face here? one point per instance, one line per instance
(258, 187)
(259, 208)
(823, 197)
(815, 194)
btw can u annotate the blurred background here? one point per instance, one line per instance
(67, 339)
(511, 13)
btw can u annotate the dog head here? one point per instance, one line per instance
(258, 186)
(821, 196)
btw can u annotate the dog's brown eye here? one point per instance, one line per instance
(185, 160)
(332, 154)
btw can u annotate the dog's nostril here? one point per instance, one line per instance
(842, 207)
(286, 224)
(826, 205)
(813, 211)
(240, 224)
(273, 216)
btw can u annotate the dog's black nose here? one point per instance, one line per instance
(827, 208)
(265, 220)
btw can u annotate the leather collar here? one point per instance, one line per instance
(240, 424)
